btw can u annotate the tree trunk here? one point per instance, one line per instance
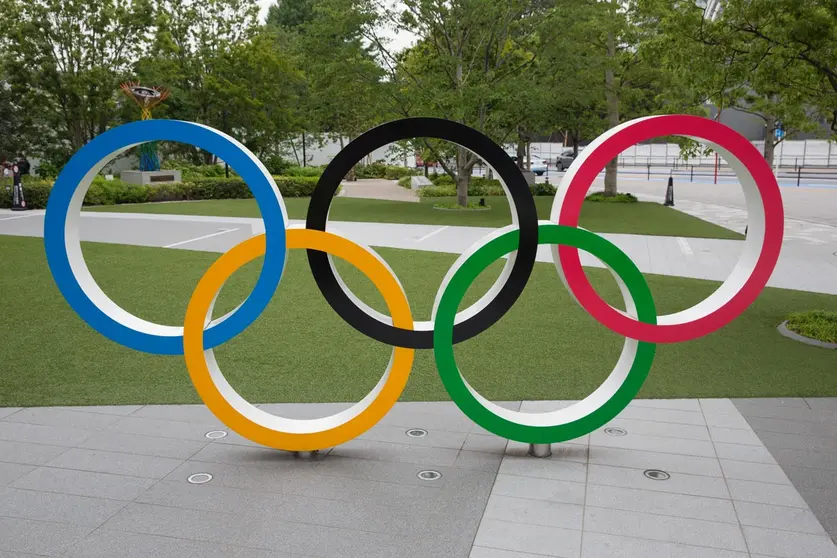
(304, 158)
(575, 135)
(769, 139)
(612, 113)
(528, 156)
(521, 150)
(463, 176)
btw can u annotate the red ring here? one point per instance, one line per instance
(609, 149)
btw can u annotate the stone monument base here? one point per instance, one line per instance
(144, 178)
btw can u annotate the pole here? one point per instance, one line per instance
(303, 150)
(226, 166)
(670, 192)
(798, 176)
(716, 168)
(692, 175)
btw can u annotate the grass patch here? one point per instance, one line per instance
(546, 347)
(816, 324)
(618, 198)
(637, 218)
(456, 207)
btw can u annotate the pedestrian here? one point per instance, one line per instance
(22, 164)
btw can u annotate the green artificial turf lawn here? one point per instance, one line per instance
(300, 350)
(633, 218)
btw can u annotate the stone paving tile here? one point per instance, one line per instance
(115, 463)
(539, 489)
(390, 451)
(825, 460)
(6, 411)
(534, 512)
(246, 455)
(658, 444)
(482, 443)
(778, 517)
(661, 503)
(716, 406)
(478, 461)
(598, 545)
(753, 409)
(182, 523)
(40, 434)
(122, 410)
(61, 508)
(824, 404)
(656, 428)
(734, 436)
(775, 440)
(750, 454)
(105, 543)
(84, 483)
(785, 544)
(49, 416)
(812, 480)
(10, 472)
(143, 445)
(797, 402)
(706, 466)
(548, 468)
(39, 537)
(727, 420)
(209, 497)
(679, 483)
(485, 552)
(762, 472)
(786, 426)
(565, 451)
(672, 416)
(199, 414)
(163, 428)
(28, 454)
(765, 493)
(396, 434)
(673, 404)
(663, 528)
(250, 477)
(537, 539)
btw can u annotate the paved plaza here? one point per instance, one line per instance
(667, 478)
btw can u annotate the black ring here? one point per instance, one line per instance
(489, 152)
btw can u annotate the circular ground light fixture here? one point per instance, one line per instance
(615, 431)
(199, 478)
(429, 475)
(417, 433)
(215, 434)
(656, 474)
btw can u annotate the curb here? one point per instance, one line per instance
(783, 330)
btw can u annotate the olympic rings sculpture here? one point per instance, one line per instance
(640, 324)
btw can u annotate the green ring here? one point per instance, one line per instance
(498, 247)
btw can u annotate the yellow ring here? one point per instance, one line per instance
(250, 421)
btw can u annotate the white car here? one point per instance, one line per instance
(538, 166)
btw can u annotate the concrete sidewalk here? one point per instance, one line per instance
(171, 480)
(800, 268)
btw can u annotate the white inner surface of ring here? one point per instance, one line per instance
(577, 410)
(462, 316)
(752, 244)
(79, 267)
(284, 424)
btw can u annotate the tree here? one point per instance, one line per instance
(467, 66)
(67, 57)
(723, 65)
(223, 70)
(290, 13)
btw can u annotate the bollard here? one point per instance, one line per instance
(692, 175)
(18, 201)
(649, 171)
(798, 176)
(540, 450)
(670, 193)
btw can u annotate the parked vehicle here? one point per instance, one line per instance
(538, 165)
(565, 159)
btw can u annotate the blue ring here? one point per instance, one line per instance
(264, 190)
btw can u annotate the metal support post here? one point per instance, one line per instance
(540, 450)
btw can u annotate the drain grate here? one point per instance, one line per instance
(215, 434)
(615, 431)
(199, 478)
(656, 474)
(417, 433)
(429, 475)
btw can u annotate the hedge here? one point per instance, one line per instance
(113, 192)
(380, 170)
(478, 186)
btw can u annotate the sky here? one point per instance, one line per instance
(399, 40)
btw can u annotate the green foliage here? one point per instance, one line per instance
(190, 170)
(115, 192)
(457, 207)
(816, 324)
(277, 164)
(478, 186)
(381, 170)
(303, 171)
(618, 198)
(406, 181)
(543, 189)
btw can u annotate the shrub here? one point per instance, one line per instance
(454, 206)
(405, 181)
(380, 170)
(115, 192)
(544, 189)
(618, 198)
(276, 164)
(303, 171)
(190, 170)
(816, 324)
